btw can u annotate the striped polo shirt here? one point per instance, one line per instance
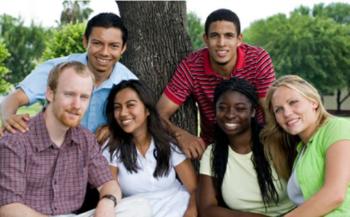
(194, 76)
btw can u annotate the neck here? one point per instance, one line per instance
(142, 142)
(307, 134)
(224, 69)
(241, 143)
(100, 77)
(56, 130)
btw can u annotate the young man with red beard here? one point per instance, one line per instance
(105, 40)
(45, 170)
(200, 72)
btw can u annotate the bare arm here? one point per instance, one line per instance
(105, 207)
(19, 210)
(188, 177)
(191, 145)
(10, 121)
(337, 180)
(208, 205)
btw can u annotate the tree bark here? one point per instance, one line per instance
(157, 42)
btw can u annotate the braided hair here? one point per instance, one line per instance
(221, 145)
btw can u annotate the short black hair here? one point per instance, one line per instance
(106, 20)
(220, 15)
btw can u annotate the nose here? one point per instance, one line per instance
(76, 102)
(104, 50)
(230, 114)
(221, 41)
(287, 111)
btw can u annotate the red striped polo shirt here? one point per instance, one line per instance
(194, 76)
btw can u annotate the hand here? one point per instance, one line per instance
(191, 212)
(191, 145)
(102, 134)
(14, 123)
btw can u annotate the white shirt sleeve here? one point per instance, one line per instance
(105, 152)
(177, 156)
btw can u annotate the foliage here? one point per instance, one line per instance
(25, 44)
(195, 30)
(4, 54)
(318, 49)
(65, 40)
(75, 11)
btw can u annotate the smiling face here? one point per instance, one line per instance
(294, 112)
(69, 101)
(104, 47)
(130, 112)
(233, 113)
(222, 41)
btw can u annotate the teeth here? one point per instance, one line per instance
(231, 125)
(125, 122)
(292, 122)
(102, 60)
(222, 53)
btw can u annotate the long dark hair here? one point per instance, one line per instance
(221, 145)
(122, 142)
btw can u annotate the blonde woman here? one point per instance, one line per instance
(319, 170)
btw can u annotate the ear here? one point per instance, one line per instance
(85, 42)
(205, 39)
(240, 39)
(49, 95)
(314, 105)
(253, 113)
(123, 49)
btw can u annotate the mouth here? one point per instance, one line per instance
(102, 61)
(74, 114)
(221, 53)
(231, 126)
(125, 122)
(292, 122)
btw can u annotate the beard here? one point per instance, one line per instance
(70, 117)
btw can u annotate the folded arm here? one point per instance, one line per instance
(191, 145)
(337, 180)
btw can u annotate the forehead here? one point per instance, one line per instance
(234, 97)
(222, 26)
(284, 93)
(126, 95)
(69, 80)
(110, 34)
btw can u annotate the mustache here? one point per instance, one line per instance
(74, 111)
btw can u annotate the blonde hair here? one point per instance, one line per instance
(78, 67)
(278, 144)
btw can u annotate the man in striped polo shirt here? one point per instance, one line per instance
(200, 72)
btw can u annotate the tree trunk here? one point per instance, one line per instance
(158, 40)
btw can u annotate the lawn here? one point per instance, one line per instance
(31, 110)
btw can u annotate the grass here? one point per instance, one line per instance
(31, 110)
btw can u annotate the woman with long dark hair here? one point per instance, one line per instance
(143, 156)
(236, 177)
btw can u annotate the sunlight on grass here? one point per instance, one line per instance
(31, 110)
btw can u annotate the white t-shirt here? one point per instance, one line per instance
(166, 195)
(240, 187)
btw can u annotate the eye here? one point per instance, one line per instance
(293, 102)
(116, 107)
(241, 109)
(277, 110)
(115, 46)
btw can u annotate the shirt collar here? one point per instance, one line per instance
(239, 63)
(42, 137)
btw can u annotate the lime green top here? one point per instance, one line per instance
(310, 167)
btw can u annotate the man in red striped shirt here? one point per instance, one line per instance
(200, 72)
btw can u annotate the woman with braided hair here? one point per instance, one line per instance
(236, 177)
